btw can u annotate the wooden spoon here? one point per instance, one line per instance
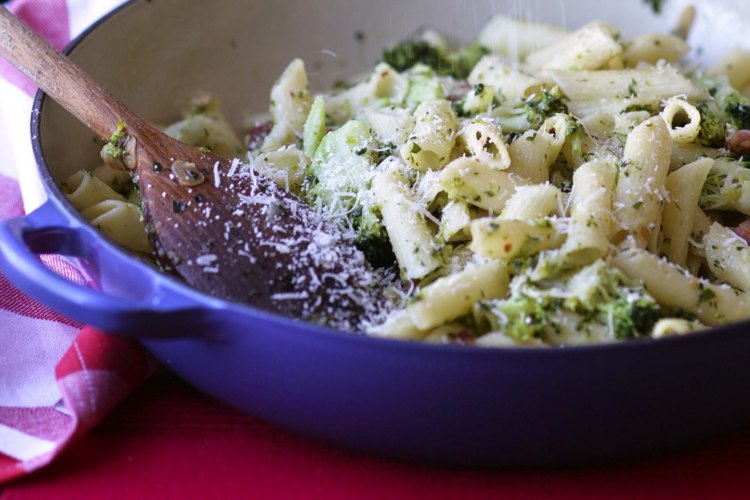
(224, 229)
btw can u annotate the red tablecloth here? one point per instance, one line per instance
(168, 441)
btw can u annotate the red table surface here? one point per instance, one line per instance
(169, 441)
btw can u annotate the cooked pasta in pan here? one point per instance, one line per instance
(539, 187)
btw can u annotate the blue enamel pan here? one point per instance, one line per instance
(432, 403)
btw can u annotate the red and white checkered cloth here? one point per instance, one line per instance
(56, 379)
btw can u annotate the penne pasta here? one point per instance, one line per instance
(392, 126)
(653, 48)
(640, 188)
(539, 187)
(684, 187)
(384, 87)
(701, 226)
(434, 135)
(532, 154)
(736, 66)
(399, 326)
(684, 154)
(588, 48)
(455, 221)
(122, 222)
(630, 87)
(454, 296)
(85, 190)
(673, 287)
(508, 83)
(687, 131)
(285, 166)
(590, 213)
(485, 142)
(508, 239)
(412, 239)
(472, 182)
(518, 38)
(728, 256)
(530, 203)
(290, 104)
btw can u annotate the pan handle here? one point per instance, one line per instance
(130, 299)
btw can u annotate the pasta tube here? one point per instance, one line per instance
(411, 237)
(591, 47)
(290, 104)
(454, 296)
(465, 179)
(433, 137)
(530, 203)
(728, 256)
(84, 190)
(591, 214)
(485, 142)
(685, 133)
(122, 222)
(507, 239)
(673, 287)
(684, 187)
(532, 154)
(640, 187)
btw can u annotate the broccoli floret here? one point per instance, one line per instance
(462, 62)
(727, 187)
(423, 86)
(595, 303)
(655, 5)
(409, 52)
(523, 318)
(342, 167)
(372, 238)
(456, 64)
(315, 127)
(713, 133)
(727, 107)
(532, 112)
(539, 107)
(118, 134)
(619, 303)
(479, 99)
(339, 179)
(737, 108)
(113, 151)
(633, 319)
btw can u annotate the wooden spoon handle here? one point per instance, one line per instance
(61, 78)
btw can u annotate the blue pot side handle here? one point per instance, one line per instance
(132, 300)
